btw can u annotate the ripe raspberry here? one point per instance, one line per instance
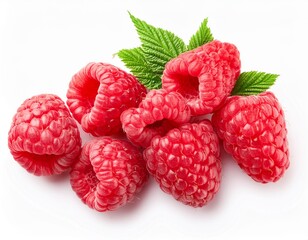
(186, 163)
(44, 138)
(99, 93)
(253, 131)
(157, 113)
(205, 75)
(108, 174)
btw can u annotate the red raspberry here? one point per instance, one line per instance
(186, 163)
(205, 75)
(108, 174)
(157, 113)
(44, 138)
(99, 93)
(253, 131)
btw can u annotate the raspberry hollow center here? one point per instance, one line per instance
(89, 91)
(161, 127)
(37, 163)
(41, 159)
(188, 85)
(90, 178)
(156, 124)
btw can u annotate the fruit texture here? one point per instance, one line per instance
(44, 138)
(186, 163)
(253, 131)
(156, 115)
(108, 173)
(99, 93)
(205, 76)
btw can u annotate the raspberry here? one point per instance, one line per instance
(99, 93)
(186, 163)
(157, 113)
(108, 173)
(253, 131)
(44, 138)
(205, 75)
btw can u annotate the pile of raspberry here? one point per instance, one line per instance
(171, 134)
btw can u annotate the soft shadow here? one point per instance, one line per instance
(60, 178)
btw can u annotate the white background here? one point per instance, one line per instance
(43, 43)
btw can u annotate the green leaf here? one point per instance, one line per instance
(253, 83)
(202, 36)
(159, 45)
(134, 59)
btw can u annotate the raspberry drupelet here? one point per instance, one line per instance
(186, 163)
(99, 93)
(108, 173)
(158, 112)
(205, 76)
(44, 138)
(253, 131)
